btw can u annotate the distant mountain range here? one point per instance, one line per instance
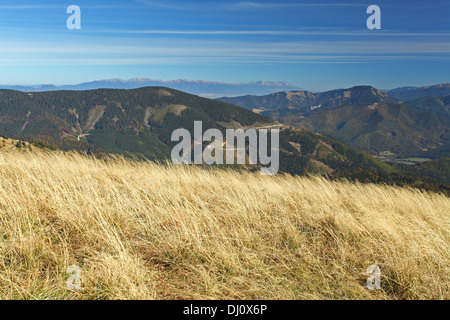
(413, 93)
(303, 101)
(215, 89)
(208, 89)
(364, 117)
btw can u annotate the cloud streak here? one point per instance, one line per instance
(249, 5)
(100, 51)
(329, 32)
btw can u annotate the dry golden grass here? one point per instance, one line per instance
(148, 231)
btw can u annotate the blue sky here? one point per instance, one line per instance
(317, 45)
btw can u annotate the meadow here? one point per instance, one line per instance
(143, 230)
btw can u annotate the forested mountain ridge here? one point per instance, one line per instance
(110, 120)
(303, 101)
(439, 106)
(365, 118)
(139, 123)
(413, 93)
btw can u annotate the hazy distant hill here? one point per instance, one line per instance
(412, 93)
(303, 101)
(364, 117)
(209, 89)
(440, 106)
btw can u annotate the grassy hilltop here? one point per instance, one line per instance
(145, 230)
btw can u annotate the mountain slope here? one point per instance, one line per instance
(363, 117)
(121, 121)
(303, 101)
(140, 123)
(437, 169)
(439, 106)
(413, 93)
(380, 128)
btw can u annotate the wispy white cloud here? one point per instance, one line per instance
(89, 61)
(61, 6)
(28, 6)
(204, 52)
(329, 32)
(208, 47)
(180, 6)
(244, 5)
(258, 5)
(237, 5)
